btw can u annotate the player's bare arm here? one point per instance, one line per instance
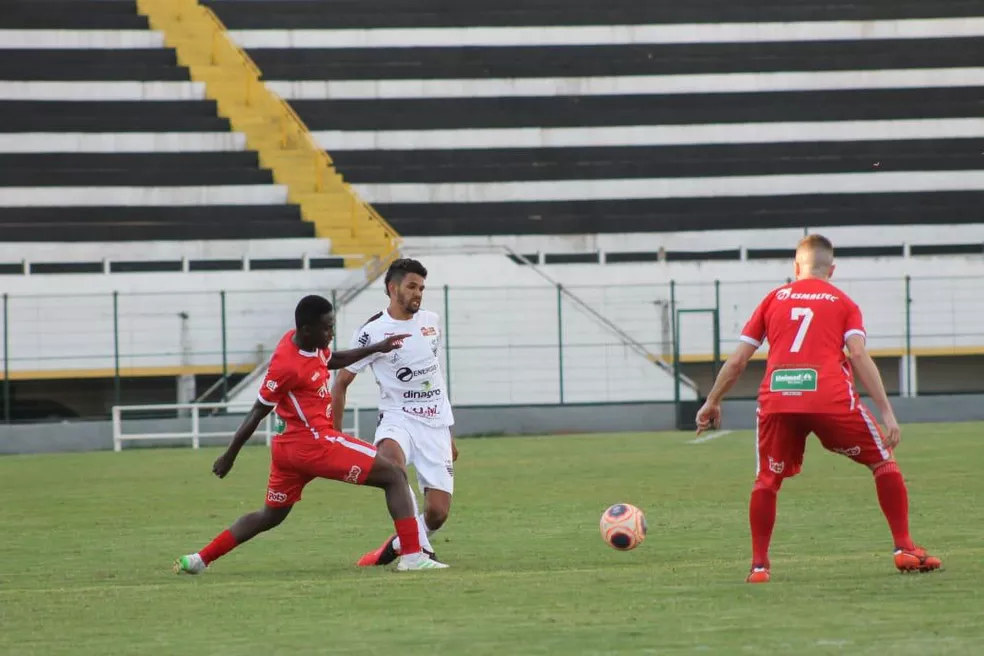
(339, 389)
(709, 415)
(257, 414)
(342, 359)
(869, 376)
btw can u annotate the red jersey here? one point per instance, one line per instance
(296, 384)
(806, 324)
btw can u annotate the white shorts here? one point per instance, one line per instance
(427, 448)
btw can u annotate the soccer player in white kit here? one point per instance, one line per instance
(415, 416)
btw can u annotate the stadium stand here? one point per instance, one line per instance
(502, 118)
(619, 145)
(138, 231)
(103, 137)
(691, 142)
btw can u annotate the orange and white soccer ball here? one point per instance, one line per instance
(623, 526)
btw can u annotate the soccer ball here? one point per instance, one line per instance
(623, 526)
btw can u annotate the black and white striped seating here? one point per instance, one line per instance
(617, 116)
(103, 137)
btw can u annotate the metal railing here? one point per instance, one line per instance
(193, 418)
(503, 344)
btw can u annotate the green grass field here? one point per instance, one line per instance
(88, 540)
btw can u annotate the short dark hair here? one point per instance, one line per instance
(310, 309)
(400, 268)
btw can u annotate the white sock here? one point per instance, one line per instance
(422, 531)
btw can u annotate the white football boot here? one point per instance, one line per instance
(418, 561)
(190, 564)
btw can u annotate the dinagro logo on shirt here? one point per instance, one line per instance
(787, 293)
(793, 380)
(413, 395)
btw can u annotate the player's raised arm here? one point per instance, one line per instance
(709, 415)
(342, 359)
(869, 376)
(257, 414)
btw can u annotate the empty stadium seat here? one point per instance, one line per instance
(506, 118)
(103, 137)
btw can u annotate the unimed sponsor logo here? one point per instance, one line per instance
(793, 380)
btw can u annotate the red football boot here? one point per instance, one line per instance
(384, 555)
(916, 560)
(758, 575)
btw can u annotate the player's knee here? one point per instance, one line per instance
(391, 450)
(435, 517)
(769, 482)
(387, 473)
(273, 517)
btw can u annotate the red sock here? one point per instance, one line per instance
(762, 518)
(894, 500)
(220, 546)
(406, 530)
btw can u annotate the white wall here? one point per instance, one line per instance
(947, 309)
(502, 319)
(58, 322)
(504, 347)
(503, 324)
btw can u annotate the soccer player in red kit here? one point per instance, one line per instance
(309, 447)
(809, 387)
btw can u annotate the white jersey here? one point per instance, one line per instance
(410, 379)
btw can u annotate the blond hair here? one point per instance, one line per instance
(815, 253)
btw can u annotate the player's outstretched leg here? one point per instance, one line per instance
(438, 506)
(893, 497)
(392, 479)
(390, 549)
(243, 529)
(762, 519)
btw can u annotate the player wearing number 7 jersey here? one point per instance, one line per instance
(809, 387)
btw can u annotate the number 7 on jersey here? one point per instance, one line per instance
(798, 313)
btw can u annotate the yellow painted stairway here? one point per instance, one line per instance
(274, 131)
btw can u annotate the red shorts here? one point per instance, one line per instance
(780, 439)
(295, 463)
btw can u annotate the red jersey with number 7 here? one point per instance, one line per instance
(806, 324)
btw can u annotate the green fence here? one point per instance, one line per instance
(512, 344)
